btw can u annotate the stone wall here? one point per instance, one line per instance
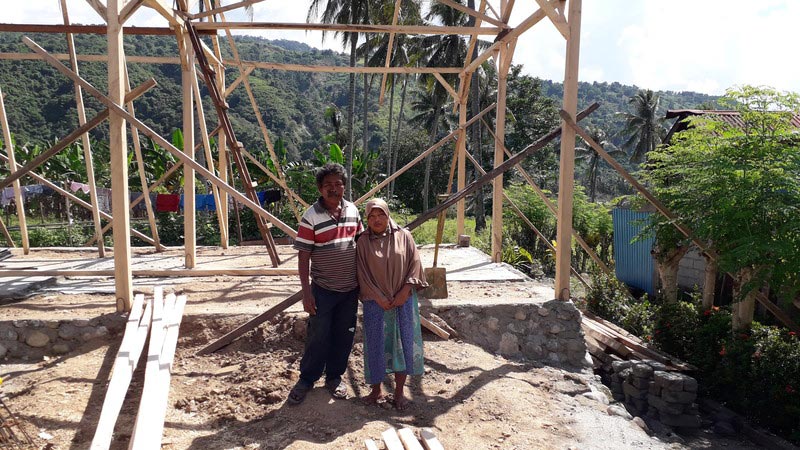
(34, 339)
(692, 270)
(549, 332)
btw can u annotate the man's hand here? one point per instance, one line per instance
(310, 304)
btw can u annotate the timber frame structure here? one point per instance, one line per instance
(564, 15)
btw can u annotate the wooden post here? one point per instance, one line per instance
(118, 147)
(12, 167)
(499, 144)
(566, 177)
(137, 150)
(222, 168)
(87, 149)
(189, 212)
(461, 165)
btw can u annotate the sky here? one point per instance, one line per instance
(703, 46)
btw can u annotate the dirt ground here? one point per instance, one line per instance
(235, 398)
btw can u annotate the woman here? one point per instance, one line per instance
(389, 273)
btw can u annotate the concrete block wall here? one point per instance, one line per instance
(691, 270)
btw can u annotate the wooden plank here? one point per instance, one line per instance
(434, 328)
(391, 439)
(147, 418)
(12, 167)
(222, 9)
(157, 273)
(357, 28)
(369, 444)
(476, 14)
(408, 439)
(87, 29)
(429, 440)
(130, 349)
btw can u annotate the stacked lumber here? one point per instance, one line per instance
(405, 439)
(160, 320)
(607, 343)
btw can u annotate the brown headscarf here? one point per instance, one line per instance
(386, 262)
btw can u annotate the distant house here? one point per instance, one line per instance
(639, 270)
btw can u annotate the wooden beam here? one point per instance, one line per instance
(12, 167)
(391, 439)
(461, 164)
(476, 14)
(6, 234)
(447, 86)
(558, 20)
(421, 156)
(274, 178)
(129, 10)
(161, 141)
(229, 90)
(507, 165)
(348, 69)
(87, 146)
(429, 440)
(166, 13)
(87, 29)
(118, 147)
(223, 9)
(189, 188)
(356, 28)
(127, 359)
(389, 48)
(152, 273)
(433, 328)
(506, 53)
(99, 8)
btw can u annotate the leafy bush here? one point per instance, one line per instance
(608, 297)
(640, 318)
(675, 328)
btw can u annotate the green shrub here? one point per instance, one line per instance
(608, 297)
(640, 318)
(675, 328)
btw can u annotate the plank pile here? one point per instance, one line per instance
(405, 439)
(607, 343)
(160, 319)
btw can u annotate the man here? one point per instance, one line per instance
(326, 239)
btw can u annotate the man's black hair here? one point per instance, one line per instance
(330, 169)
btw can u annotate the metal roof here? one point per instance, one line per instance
(727, 116)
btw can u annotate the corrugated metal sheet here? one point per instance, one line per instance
(634, 263)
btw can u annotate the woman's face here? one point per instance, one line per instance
(377, 221)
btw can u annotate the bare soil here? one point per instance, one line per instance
(235, 398)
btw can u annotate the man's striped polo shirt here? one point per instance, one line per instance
(332, 245)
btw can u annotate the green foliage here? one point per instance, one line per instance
(65, 236)
(675, 327)
(640, 317)
(608, 297)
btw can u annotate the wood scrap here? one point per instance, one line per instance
(408, 439)
(434, 328)
(391, 439)
(441, 323)
(429, 440)
(370, 444)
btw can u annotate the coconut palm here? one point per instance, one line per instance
(591, 159)
(430, 108)
(644, 130)
(344, 12)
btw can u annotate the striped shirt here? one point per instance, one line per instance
(332, 245)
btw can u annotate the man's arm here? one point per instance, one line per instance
(304, 269)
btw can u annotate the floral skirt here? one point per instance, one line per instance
(392, 340)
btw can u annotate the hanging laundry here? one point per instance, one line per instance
(74, 186)
(7, 196)
(168, 202)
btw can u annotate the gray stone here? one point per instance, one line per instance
(555, 329)
(533, 350)
(655, 364)
(690, 384)
(679, 397)
(61, 349)
(724, 429)
(3, 351)
(597, 396)
(642, 370)
(8, 332)
(520, 315)
(665, 407)
(68, 331)
(641, 423)
(20, 323)
(81, 322)
(517, 327)
(300, 328)
(509, 345)
(36, 323)
(631, 391)
(617, 410)
(553, 357)
(544, 312)
(619, 366)
(668, 380)
(552, 345)
(52, 324)
(654, 389)
(37, 339)
(493, 323)
(574, 345)
(642, 384)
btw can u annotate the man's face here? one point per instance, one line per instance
(332, 189)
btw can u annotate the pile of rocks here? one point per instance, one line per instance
(647, 388)
(33, 339)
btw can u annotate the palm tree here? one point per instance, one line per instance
(430, 109)
(345, 12)
(591, 159)
(644, 130)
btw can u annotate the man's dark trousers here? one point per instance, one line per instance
(330, 335)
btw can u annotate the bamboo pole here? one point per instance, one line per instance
(566, 177)
(87, 149)
(137, 151)
(118, 146)
(12, 167)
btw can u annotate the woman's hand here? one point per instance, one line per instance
(384, 303)
(402, 296)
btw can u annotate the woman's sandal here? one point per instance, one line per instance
(298, 393)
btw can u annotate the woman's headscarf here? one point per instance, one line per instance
(388, 261)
